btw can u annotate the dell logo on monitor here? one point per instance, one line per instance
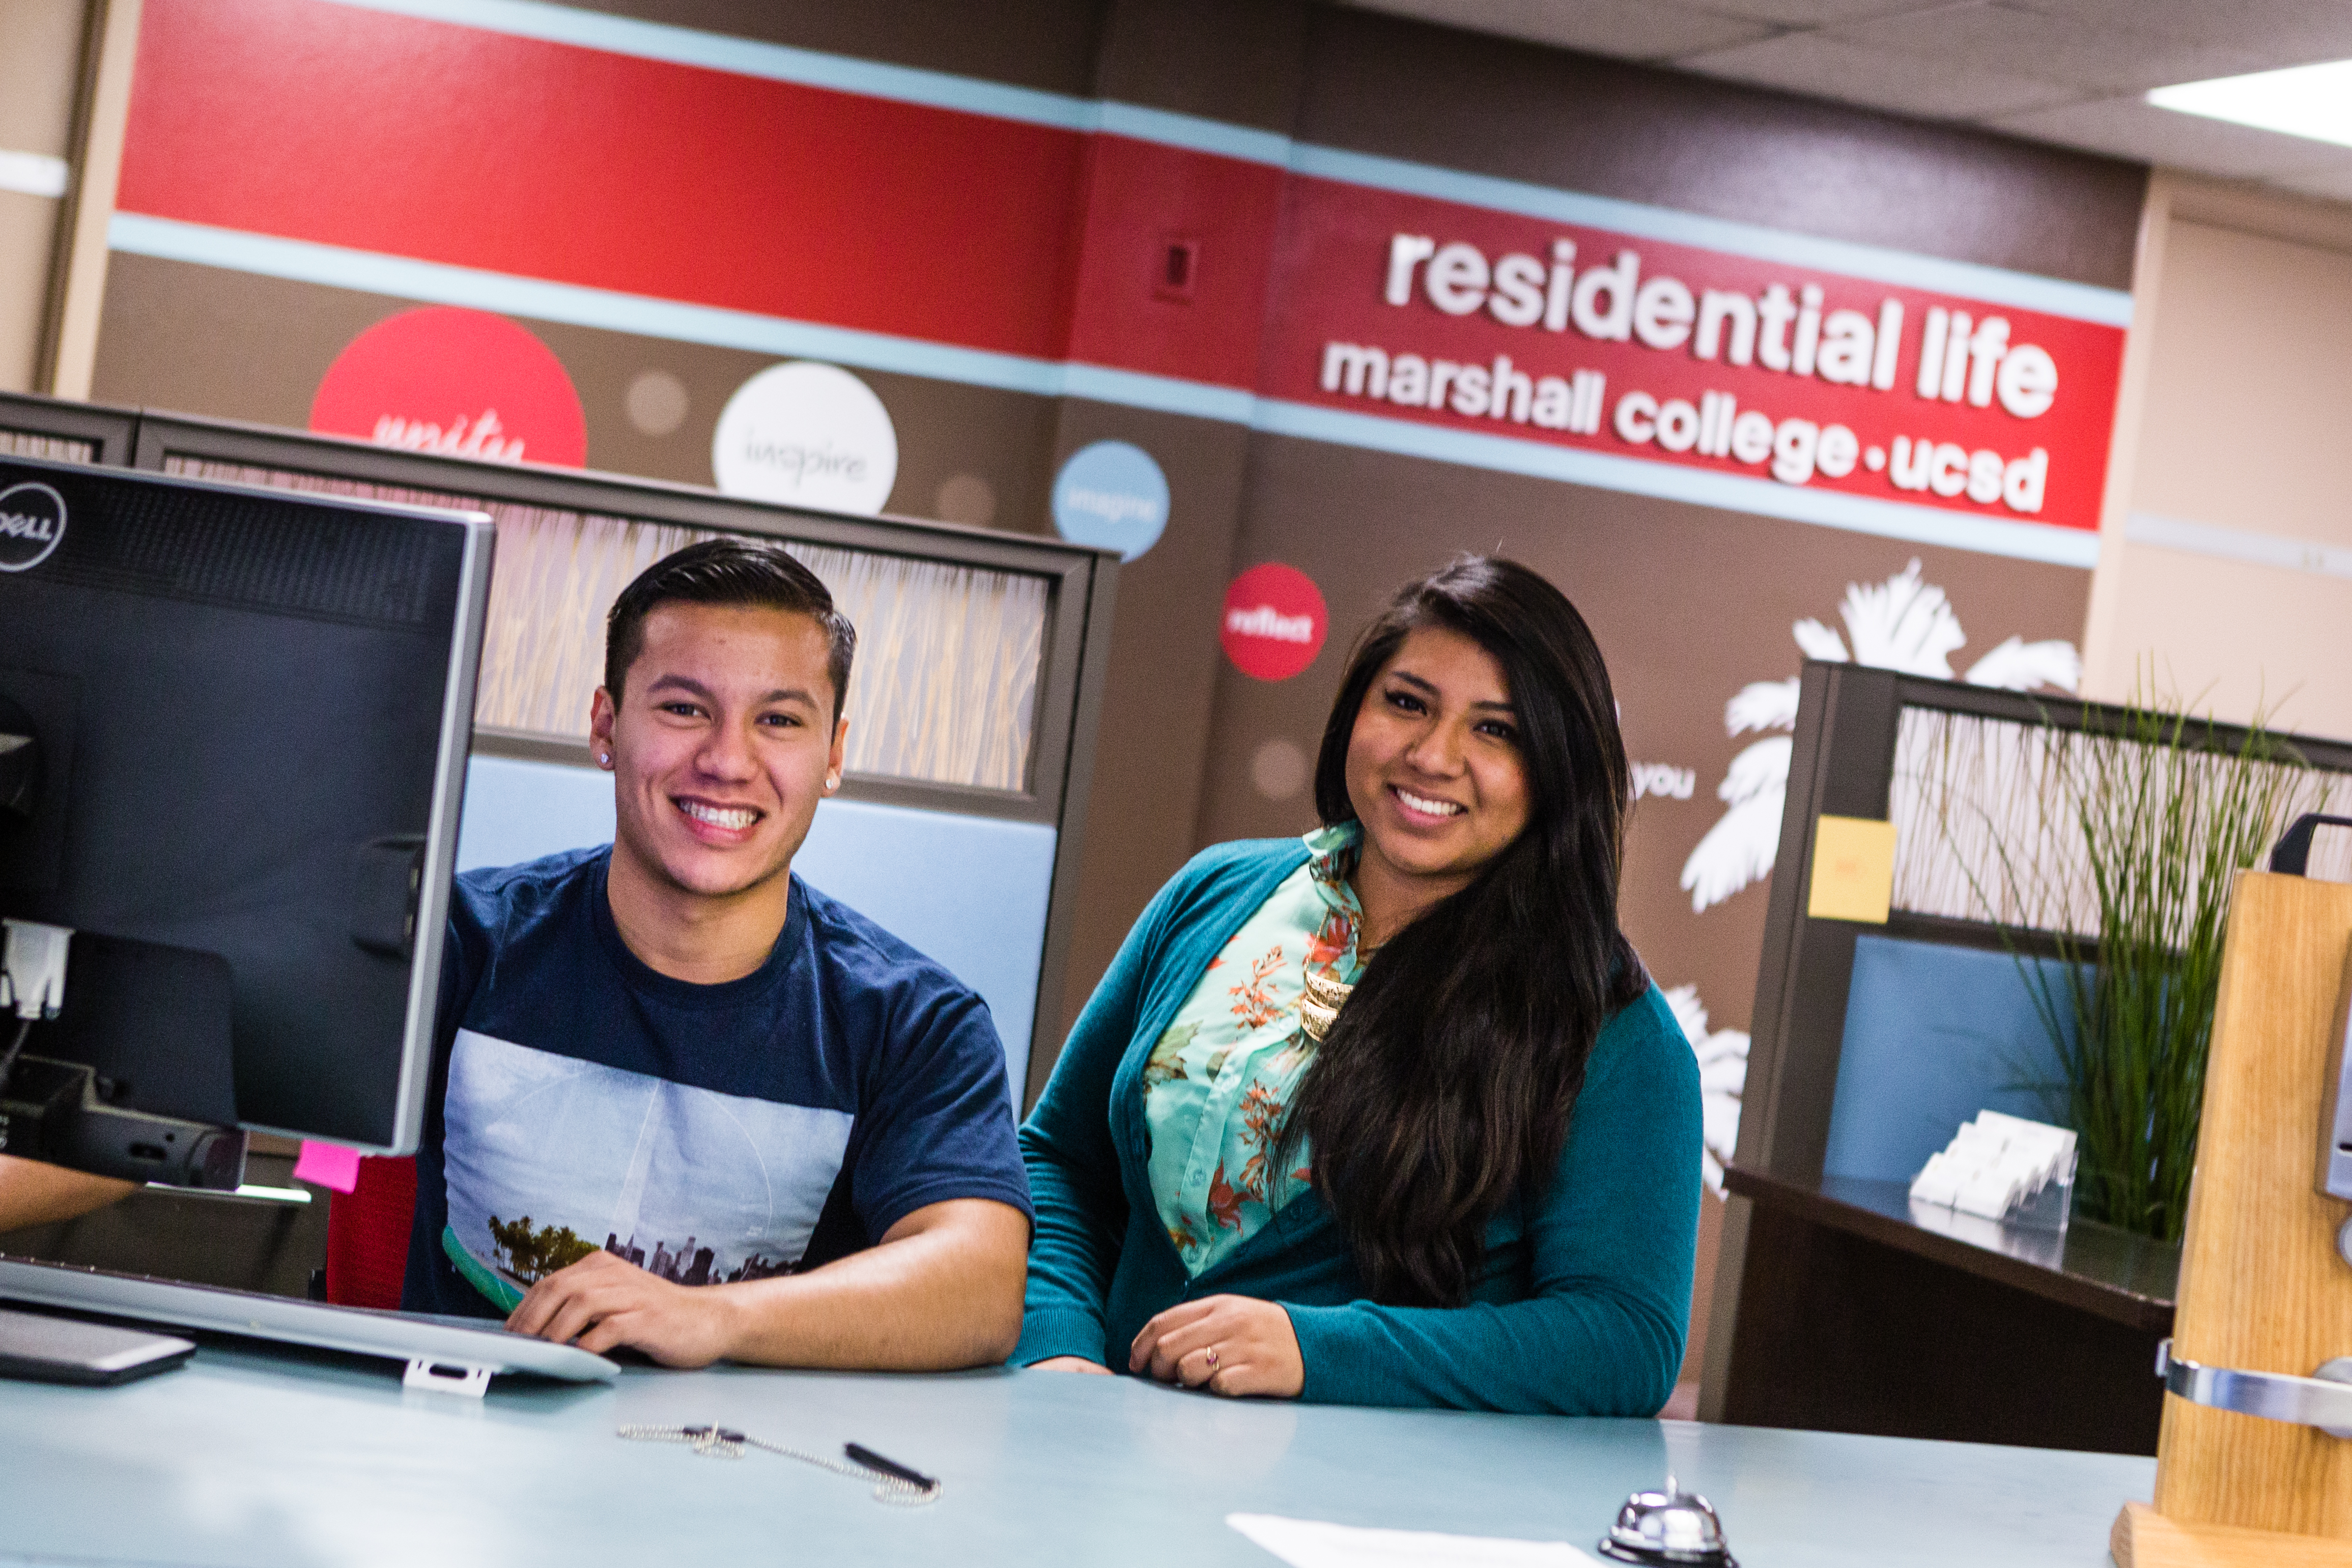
(32, 521)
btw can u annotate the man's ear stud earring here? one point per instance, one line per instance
(604, 759)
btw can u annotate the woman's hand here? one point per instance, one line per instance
(1227, 1345)
(1070, 1363)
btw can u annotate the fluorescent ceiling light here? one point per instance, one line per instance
(2312, 101)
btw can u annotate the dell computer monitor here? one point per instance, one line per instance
(249, 712)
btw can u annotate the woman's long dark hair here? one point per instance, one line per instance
(1445, 1086)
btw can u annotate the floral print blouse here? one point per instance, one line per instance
(1219, 1081)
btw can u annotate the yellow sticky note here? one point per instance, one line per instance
(1853, 870)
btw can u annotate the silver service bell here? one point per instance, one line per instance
(1665, 1527)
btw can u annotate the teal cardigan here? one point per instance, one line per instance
(1585, 1299)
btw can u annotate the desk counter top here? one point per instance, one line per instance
(254, 1456)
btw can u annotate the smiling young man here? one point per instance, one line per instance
(686, 1103)
(791, 1130)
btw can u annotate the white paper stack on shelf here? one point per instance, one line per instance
(2003, 1167)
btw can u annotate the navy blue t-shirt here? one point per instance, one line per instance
(583, 1102)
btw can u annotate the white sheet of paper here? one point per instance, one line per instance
(1311, 1543)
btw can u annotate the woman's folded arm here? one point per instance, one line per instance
(1073, 1160)
(1610, 1250)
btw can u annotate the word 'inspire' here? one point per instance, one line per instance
(803, 463)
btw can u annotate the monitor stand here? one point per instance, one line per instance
(115, 1058)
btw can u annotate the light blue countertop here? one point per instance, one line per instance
(263, 1458)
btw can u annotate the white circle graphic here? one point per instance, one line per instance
(806, 435)
(32, 522)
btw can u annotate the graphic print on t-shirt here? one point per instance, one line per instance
(549, 1158)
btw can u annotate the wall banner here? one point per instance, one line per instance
(1730, 372)
(1417, 310)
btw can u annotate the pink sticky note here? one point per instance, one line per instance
(329, 1165)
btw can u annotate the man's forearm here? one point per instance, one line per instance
(941, 1291)
(32, 1193)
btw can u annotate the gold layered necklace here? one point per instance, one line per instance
(1319, 1005)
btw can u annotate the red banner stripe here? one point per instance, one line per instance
(353, 128)
(344, 127)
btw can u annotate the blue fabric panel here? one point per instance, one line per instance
(970, 892)
(1935, 1034)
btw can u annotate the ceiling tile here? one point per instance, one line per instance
(2129, 128)
(1625, 29)
(2121, 56)
(2278, 32)
(1824, 66)
(1807, 13)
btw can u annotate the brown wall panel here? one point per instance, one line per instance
(219, 342)
(238, 346)
(1163, 673)
(1048, 44)
(203, 340)
(233, 345)
(950, 435)
(1688, 604)
(1242, 61)
(1404, 90)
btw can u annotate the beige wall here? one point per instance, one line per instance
(2226, 566)
(40, 72)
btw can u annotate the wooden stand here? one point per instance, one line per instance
(2261, 1287)
(2144, 1538)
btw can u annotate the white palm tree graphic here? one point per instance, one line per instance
(1722, 1077)
(1901, 624)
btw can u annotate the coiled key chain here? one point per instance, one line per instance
(898, 1486)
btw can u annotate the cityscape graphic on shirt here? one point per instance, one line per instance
(545, 1155)
(690, 1265)
(528, 1253)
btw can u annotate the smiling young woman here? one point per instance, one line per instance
(1392, 1115)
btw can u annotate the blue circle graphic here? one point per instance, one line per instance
(1112, 495)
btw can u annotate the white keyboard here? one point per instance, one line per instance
(439, 1351)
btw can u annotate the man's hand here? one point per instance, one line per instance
(1070, 1363)
(1227, 1345)
(601, 1301)
(940, 1291)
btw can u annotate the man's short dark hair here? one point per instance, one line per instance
(728, 572)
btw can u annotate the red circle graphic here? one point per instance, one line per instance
(462, 384)
(1274, 621)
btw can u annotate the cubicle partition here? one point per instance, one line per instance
(972, 705)
(64, 431)
(972, 702)
(1838, 1304)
